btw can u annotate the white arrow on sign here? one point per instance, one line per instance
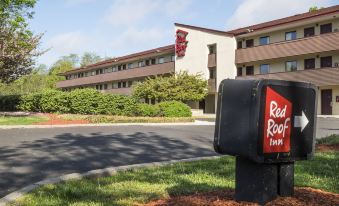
(301, 121)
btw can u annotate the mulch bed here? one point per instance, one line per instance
(326, 147)
(56, 120)
(302, 197)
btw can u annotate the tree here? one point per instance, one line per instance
(18, 45)
(89, 58)
(180, 87)
(314, 8)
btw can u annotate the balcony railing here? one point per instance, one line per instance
(319, 77)
(152, 70)
(212, 60)
(212, 87)
(307, 45)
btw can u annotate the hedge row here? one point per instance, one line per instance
(9, 103)
(90, 101)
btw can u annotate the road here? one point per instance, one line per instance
(31, 155)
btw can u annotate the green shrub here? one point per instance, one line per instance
(30, 102)
(90, 101)
(84, 101)
(174, 109)
(52, 101)
(9, 103)
(115, 104)
(148, 110)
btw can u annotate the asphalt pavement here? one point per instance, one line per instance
(31, 155)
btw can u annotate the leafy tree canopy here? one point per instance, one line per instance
(18, 45)
(89, 58)
(179, 87)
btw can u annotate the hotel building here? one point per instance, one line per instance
(303, 47)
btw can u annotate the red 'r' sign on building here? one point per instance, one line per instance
(181, 43)
(277, 129)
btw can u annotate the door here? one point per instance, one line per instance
(326, 102)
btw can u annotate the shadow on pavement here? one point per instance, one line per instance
(30, 162)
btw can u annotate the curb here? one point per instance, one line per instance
(93, 174)
(196, 123)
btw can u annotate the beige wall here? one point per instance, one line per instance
(278, 36)
(279, 64)
(196, 57)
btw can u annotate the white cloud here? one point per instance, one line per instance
(131, 12)
(251, 12)
(133, 38)
(64, 44)
(127, 12)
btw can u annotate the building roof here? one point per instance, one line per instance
(286, 20)
(204, 29)
(123, 58)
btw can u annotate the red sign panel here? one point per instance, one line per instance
(277, 128)
(181, 43)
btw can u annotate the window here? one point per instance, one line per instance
(264, 68)
(239, 71)
(249, 70)
(325, 28)
(291, 35)
(115, 85)
(309, 31)
(93, 73)
(147, 62)
(291, 66)
(124, 84)
(124, 67)
(130, 83)
(309, 63)
(114, 69)
(173, 58)
(249, 43)
(98, 71)
(98, 87)
(239, 45)
(152, 61)
(152, 101)
(105, 86)
(141, 64)
(119, 84)
(119, 68)
(326, 61)
(212, 73)
(161, 60)
(80, 75)
(212, 49)
(264, 40)
(130, 66)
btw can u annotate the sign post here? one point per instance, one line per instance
(267, 125)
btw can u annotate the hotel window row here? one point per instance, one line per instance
(289, 35)
(290, 65)
(116, 68)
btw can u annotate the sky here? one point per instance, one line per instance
(113, 28)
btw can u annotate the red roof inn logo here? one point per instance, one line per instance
(277, 130)
(181, 43)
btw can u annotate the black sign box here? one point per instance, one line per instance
(266, 121)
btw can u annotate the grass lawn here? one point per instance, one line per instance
(27, 120)
(143, 185)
